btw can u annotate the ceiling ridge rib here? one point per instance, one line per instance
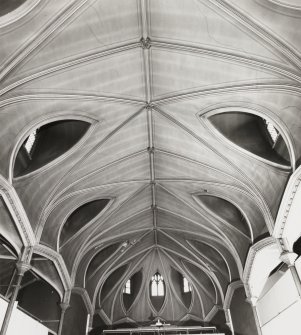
(193, 94)
(42, 35)
(259, 32)
(67, 65)
(151, 151)
(275, 68)
(145, 44)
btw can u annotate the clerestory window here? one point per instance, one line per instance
(127, 287)
(157, 285)
(273, 132)
(29, 143)
(186, 285)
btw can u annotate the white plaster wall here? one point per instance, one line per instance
(279, 307)
(21, 323)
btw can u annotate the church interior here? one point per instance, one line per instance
(150, 178)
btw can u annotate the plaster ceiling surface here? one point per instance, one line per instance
(147, 76)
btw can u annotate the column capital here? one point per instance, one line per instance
(288, 258)
(22, 267)
(64, 306)
(252, 301)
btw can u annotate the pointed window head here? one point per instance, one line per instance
(157, 285)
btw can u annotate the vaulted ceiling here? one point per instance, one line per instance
(170, 167)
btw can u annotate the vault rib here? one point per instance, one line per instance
(259, 31)
(239, 58)
(69, 64)
(42, 35)
(215, 91)
(37, 96)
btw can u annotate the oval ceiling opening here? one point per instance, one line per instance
(80, 218)
(7, 6)
(111, 281)
(182, 286)
(131, 289)
(100, 258)
(254, 134)
(47, 143)
(227, 211)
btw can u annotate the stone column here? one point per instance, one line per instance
(22, 267)
(229, 322)
(289, 258)
(252, 301)
(64, 306)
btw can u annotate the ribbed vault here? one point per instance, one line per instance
(176, 197)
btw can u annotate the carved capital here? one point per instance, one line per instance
(288, 258)
(64, 306)
(22, 267)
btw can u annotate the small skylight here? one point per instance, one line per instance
(127, 287)
(30, 142)
(272, 131)
(186, 285)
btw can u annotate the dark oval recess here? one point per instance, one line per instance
(7, 6)
(136, 281)
(112, 280)
(80, 217)
(177, 280)
(100, 258)
(227, 211)
(297, 246)
(51, 141)
(250, 132)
